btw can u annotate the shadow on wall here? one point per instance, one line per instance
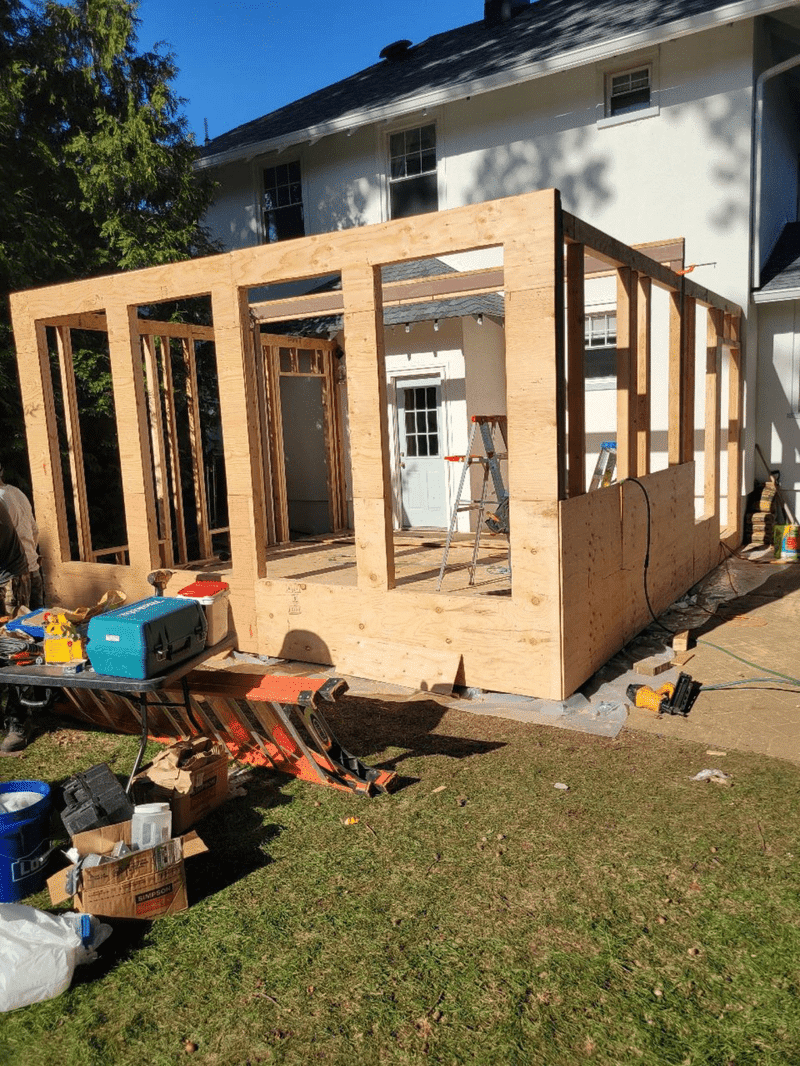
(726, 121)
(335, 214)
(548, 162)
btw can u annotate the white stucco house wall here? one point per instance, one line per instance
(659, 122)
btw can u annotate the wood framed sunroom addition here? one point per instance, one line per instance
(577, 593)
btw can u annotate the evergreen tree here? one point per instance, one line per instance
(96, 163)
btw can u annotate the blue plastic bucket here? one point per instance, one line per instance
(24, 842)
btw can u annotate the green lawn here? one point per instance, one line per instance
(639, 917)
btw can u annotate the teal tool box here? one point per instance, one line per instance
(147, 638)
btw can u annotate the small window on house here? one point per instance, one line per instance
(283, 202)
(600, 360)
(413, 184)
(628, 91)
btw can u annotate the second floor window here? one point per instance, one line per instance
(627, 92)
(283, 202)
(413, 183)
(600, 362)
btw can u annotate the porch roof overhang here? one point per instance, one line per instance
(780, 278)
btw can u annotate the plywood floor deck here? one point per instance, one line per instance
(418, 557)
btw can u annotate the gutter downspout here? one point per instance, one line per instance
(755, 191)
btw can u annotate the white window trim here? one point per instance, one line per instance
(409, 122)
(605, 71)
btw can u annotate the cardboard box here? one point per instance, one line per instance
(145, 884)
(191, 775)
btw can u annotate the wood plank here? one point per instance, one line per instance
(418, 668)
(150, 327)
(535, 376)
(280, 502)
(96, 322)
(72, 429)
(643, 376)
(627, 365)
(127, 376)
(196, 446)
(263, 392)
(41, 430)
(676, 379)
(617, 254)
(369, 430)
(711, 459)
(689, 347)
(174, 450)
(667, 253)
(590, 545)
(238, 396)
(576, 374)
(735, 412)
(160, 476)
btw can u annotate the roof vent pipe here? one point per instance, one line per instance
(497, 11)
(395, 51)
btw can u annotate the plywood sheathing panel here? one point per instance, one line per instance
(604, 546)
(244, 469)
(535, 372)
(317, 623)
(591, 549)
(398, 664)
(369, 430)
(41, 431)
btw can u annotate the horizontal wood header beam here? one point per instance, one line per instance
(607, 249)
(413, 290)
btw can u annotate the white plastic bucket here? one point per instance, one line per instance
(151, 824)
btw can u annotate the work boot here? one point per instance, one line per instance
(18, 731)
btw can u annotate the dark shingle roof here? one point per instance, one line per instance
(490, 304)
(467, 56)
(781, 272)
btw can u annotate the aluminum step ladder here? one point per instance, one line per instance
(496, 519)
(606, 467)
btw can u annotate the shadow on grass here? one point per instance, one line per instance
(237, 835)
(370, 727)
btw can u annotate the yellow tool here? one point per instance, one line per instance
(62, 641)
(649, 698)
(669, 699)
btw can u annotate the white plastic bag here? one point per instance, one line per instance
(39, 952)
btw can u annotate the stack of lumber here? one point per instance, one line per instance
(762, 506)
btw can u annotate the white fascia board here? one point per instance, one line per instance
(632, 42)
(776, 296)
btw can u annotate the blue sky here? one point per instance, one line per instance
(240, 59)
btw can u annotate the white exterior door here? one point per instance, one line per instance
(422, 475)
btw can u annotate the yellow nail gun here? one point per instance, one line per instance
(669, 699)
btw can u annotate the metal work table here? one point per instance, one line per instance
(135, 689)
